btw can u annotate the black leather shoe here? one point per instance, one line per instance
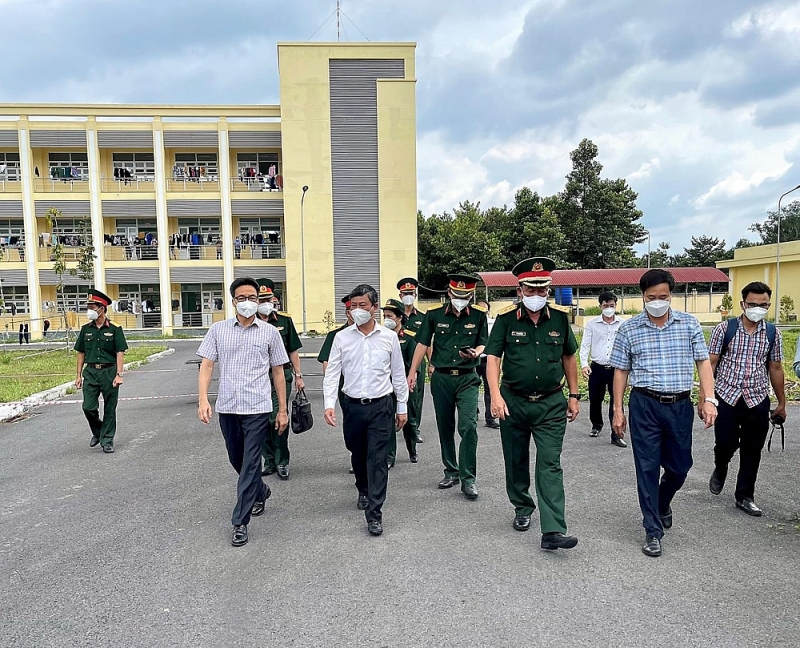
(268, 470)
(558, 541)
(448, 482)
(374, 527)
(239, 537)
(260, 505)
(352, 472)
(283, 472)
(108, 448)
(666, 519)
(470, 491)
(716, 482)
(652, 547)
(494, 424)
(595, 432)
(619, 443)
(419, 439)
(93, 441)
(362, 502)
(749, 507)
(390, 465)
(522, 522)
(414, 458)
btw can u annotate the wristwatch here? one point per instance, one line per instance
(575, 396)
(713, 401)
(119, 373)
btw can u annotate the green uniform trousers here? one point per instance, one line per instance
(546, 421)
(451, 393)
(411, 428)
(96, 382)
(276, 446)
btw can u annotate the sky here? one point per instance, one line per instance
(696, 104)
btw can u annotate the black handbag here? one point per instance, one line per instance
(302, 419)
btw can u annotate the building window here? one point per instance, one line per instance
(12, 232)
(138, 298)
(202, 226)
(268, 229)
(142, 166)
(74, 298)
(69, 166)
(201, 298)
(260, 162)
(16, 295)
(195, 165)
(132, 227)
(9, 167)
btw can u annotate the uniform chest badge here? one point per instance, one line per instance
(418, 322)
(469, 326)
(443, 325)
(519, 334)
(280, 328)
(108, 334)
(554, 334)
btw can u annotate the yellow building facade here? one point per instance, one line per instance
(181, 200)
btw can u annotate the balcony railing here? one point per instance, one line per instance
(10, 186)
(130, 252)
(255, 251)
(12, 254)
(257, 183)
(58, 185)
(132, 184)
(195, 253)
(185, 183)
(70, 253)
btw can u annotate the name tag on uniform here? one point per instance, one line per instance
(554, 334)
(443, 325)
(519, 334)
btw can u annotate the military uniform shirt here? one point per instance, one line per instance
(453, 332)
(325, 351)
(414, 321)
(101, 345)
(532, 352)
(291, 341)
(407, 345)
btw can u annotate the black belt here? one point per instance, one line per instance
(364, 401)
(103, 365)
(537, 396)
(454, 372)
(608, 366)
(665, 399)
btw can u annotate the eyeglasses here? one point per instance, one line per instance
(243, 298)
(754, 305)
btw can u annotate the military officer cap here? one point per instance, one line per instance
(346, 301)
(407, 285)
(266, 288)
(535, 272)
(396, 307)
(96, 297)
(462, 285)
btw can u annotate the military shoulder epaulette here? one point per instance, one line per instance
(480, 308)
(285, 314)
(434, 307)
(407, 332)
(507, 309)
(561, 309)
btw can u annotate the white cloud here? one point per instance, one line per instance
(736, 184)
(645, 170)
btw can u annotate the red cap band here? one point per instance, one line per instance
(532, 274)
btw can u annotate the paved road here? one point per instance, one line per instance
(132, 549)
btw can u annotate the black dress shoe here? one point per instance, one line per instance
(352, 472)
(362, 502)
(522, 522)
(419, 439)
(619, 443)
(470, 491)
(494, 424)
(108, 448)
(558, 541)
(239, 537)
(268, 470)
(260, 505)
(652, 547)
(716, 482)
(414, 458)
(374, 527)
(283, 472)
(93, 441)
(390, 465)
(666, 519)
(749, 507)
(448, 482)
(595, 432)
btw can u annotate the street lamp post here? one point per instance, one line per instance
(648, 249)
(778, 259)
(303, 255)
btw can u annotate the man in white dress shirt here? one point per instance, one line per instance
(597, 344)
(371, 360)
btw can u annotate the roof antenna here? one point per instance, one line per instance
(338, 12)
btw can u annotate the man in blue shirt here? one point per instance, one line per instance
(658, 350)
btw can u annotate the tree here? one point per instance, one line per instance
(57, 256)
(704, 252)
(86, 256)
(790, 225)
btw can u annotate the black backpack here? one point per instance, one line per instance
(302, 419)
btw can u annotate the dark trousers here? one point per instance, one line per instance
(601, 380)
(96, 382)
(743, 427)
(487, 398)
(276, 446)
(244, 436)
(366, 436)
(661, 435)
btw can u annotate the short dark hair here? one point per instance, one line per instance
(607, 296)
(655, 277)
(244, 281)
(757, 288)
(363, 290)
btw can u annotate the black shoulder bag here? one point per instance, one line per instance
(302, 419)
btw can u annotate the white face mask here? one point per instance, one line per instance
(390, 324)
(535, 303)
(609, 312)
(756, 314)
(657, 308)
(92, 314)
(408, 300)
(266, 308)
(247, 309)
(459, 304)
(360, 316)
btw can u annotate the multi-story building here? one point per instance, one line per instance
(180, 200)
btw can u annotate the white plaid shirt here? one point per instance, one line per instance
(245, 357)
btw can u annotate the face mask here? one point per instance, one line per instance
(459, 304)
(657, 308)
(92, 315)
(756, 314)
(408, 300)
(266, 308)
(609, 312)
(360, 316)
(535, 303)
(390, 324)
(247, 309)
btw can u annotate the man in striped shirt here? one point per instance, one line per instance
(748, 355)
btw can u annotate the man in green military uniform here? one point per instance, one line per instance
(537, 347)
(458, 333)
(408, 295)
(394, 318)
(276, 446)
(101, 349)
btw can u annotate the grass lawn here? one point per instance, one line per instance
(22, 376)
